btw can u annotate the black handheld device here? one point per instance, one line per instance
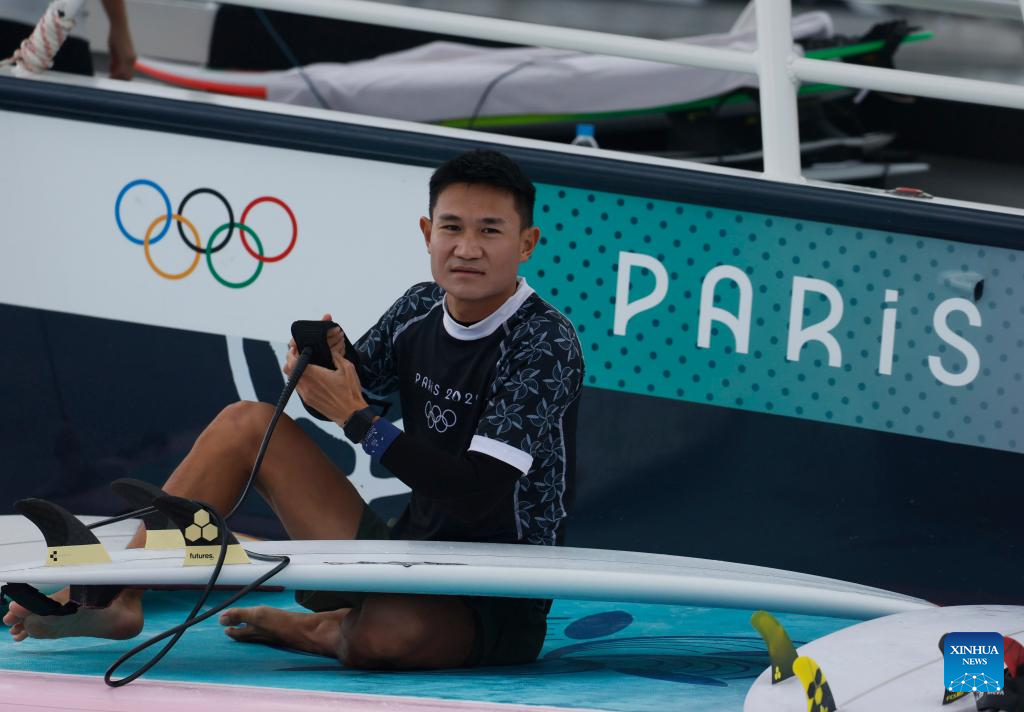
(313, 334)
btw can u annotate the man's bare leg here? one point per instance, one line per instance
(388, 632)
(407, 632)
(314, 500)
(310, 495)
(318, 633)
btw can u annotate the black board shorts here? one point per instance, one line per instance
(509, 631)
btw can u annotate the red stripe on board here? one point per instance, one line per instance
(257, 92)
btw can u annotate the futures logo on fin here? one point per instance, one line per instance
(75, 555)
(201, 535)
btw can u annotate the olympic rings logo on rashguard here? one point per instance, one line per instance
(192, 239)
(437, 419)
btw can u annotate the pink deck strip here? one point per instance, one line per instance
(34, 692)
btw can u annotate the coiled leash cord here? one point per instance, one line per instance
(177, 631)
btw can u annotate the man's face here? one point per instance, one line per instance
(476, 242)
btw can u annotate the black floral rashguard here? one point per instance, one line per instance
(489, 415)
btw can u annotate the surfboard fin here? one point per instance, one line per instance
(201, 535)
(819, 694)
(68, 541)
(948, 696)
(780, 648)
(161, 532)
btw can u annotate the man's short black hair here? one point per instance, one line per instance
(484, 167)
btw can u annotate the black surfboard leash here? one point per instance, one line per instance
(194, 615)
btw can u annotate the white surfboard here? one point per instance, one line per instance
(890, 663)
(491, 570)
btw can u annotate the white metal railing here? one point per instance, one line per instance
(1002, 9)
(778, 67)
(934, 86)
(780, 125)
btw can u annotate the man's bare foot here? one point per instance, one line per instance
(120, 620)
(318, 633)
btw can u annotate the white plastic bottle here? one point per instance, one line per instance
(585, 136)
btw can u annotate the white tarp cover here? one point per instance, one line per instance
(448, 80)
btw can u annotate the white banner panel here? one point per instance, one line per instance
(357, 245)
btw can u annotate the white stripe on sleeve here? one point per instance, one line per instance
(515, 457)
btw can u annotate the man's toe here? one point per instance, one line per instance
(15, 613)
(232, 616)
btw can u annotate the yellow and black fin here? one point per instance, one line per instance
(68, 541)
(161, 532)
(948, 696)
(201, 534)
(780, 648)
(819, 694)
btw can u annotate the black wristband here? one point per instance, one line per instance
(358, 425)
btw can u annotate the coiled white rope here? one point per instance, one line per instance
(35, 55)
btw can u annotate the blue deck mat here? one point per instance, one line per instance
(597, 655)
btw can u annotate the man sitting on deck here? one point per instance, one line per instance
(489, 377)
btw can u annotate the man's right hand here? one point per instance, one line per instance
(334, 393)
(293, 350)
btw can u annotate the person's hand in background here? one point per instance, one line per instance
(119, 42)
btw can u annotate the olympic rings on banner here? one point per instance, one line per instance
(209, 255)
(167, 210)
(221, 198)
(196, 243)
(146, 242)
(291, 216)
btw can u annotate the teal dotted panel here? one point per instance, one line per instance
(575, 268)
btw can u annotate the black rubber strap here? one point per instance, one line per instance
(358, 425)
(35, 601)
